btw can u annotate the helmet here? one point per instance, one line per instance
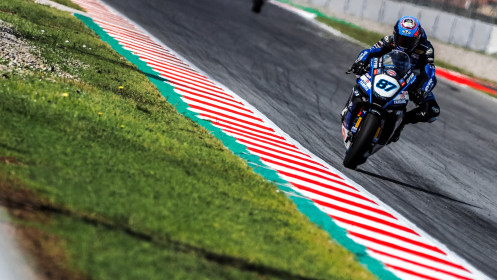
(407, 33)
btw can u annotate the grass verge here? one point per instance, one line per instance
(128, 188)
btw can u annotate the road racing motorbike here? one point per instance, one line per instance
(376, 107)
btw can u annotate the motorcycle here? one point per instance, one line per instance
(377, 106)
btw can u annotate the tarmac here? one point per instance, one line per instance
(441, 176)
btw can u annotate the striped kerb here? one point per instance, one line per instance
(389, 238)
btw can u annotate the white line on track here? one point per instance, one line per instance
(224, 115)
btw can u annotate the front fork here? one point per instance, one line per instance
(355, 111)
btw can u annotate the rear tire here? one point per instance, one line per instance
(354, 156)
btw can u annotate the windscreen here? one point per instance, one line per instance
(397, 61)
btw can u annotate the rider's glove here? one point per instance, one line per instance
(419, 95)
(359, 67)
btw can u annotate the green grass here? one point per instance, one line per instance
(69, 3)
(136, 190)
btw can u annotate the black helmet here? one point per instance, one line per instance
(407, 33)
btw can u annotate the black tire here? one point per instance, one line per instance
(362, 143)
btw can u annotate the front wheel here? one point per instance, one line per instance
(362, 142)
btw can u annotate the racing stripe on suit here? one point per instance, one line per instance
(430, 78)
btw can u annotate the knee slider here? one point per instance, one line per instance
(434, 111)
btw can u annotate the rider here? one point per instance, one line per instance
(409, 37)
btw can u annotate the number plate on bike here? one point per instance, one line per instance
(385, 85)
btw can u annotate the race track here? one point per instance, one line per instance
(439, 176)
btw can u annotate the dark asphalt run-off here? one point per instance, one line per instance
(440, 176)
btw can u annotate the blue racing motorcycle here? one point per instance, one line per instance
(377, 106)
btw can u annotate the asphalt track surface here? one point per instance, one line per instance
(441, 176)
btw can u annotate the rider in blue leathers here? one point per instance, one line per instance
(409, 37)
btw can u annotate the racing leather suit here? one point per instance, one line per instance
(422, 58)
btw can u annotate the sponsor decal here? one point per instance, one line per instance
(391, 72)
(402, 98)
(406, 32)
(428, 85)
(361, 56)
(365, 83)
(410, 78)
(415, 55)
(408, 23)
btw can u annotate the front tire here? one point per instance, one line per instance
(362, 143)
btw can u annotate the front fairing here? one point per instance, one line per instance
(382, 91)
(388, 80)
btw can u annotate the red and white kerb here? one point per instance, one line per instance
(405, 250)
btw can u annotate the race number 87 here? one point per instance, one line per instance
(385, 85)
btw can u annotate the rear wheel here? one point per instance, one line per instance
(362, 142)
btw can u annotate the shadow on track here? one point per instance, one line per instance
(415, 188)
